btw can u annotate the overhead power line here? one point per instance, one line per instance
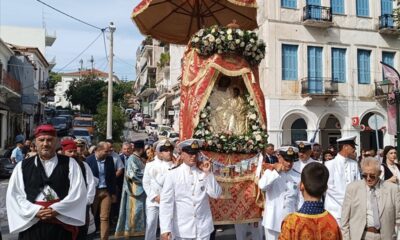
(70, 16)
(84, 50)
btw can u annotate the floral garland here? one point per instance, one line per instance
(252, 142)
(215, 39)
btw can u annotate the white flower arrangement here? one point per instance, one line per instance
(251, 142)
(221, 40)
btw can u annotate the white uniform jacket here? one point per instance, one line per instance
(299, 165)
(153, 179)
(281, 196)
(184, 206)
(342, 171)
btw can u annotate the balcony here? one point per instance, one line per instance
(317, 16)
(319, 87)
(379, 94)
(387, 25)
(9, 85)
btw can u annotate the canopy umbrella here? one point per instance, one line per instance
(175, 21)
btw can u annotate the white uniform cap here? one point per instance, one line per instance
(347, 140)
(164, 142)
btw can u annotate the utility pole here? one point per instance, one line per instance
(110, 83)
(92, 62)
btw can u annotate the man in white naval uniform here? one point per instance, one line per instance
(305, 151)
(343, 169)
(153, 181)
(184, 206)
(281, 191)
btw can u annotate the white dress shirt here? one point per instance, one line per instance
(342, 171)
(184, 207)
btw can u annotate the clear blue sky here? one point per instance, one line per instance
(73, 37)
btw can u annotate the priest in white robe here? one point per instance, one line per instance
(46, 197)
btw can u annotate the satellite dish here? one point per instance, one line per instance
(375, 122)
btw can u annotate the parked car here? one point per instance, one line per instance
(84, 122)
(169, 134)
(60, 124)
(82, 133)
(6, 167)
(69, 119)
(151, 128)
(162, 130)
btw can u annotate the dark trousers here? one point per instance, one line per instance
(82, 235)
(45, 231)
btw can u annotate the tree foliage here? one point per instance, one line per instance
(121, 91)
(54, 78)
(118, 120)
(87, 92)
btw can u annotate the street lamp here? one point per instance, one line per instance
(393, 97)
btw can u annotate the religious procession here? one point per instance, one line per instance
(222, 170)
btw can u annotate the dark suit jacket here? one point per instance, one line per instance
(108, 168)
(272, 159)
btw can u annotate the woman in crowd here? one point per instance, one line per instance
(390, 169)
(327, 156)
(32, 150)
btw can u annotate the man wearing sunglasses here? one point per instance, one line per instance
(371, 206)
(343, 170)
(184, 205)
(153, 181)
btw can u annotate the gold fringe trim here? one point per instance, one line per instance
(205, 99)
(237, 222)
(253, 96)
(240, 3)
(203, 71)
(249, 177)
(133, 15)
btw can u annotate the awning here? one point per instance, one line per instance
(176, 101)
(159, 104)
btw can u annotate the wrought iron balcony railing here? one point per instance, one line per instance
(386, 21)
(317, 13)
(319, 86)
(10, 82)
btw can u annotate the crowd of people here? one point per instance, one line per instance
(64, 192)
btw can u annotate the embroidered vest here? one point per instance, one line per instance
(35, 177)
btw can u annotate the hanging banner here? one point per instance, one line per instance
(392, 75)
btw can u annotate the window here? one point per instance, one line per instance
(388, 58)
(337, 6)
(362, 8)
(364, 68)
(288, 3)
(386, 7)
(289, 62)
(314, 64)
(338, 65)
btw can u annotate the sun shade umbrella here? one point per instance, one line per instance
(175, 21)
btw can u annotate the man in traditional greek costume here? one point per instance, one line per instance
(46, 197)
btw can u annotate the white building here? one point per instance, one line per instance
(320, 68)
(24, 36)
(60, 98)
